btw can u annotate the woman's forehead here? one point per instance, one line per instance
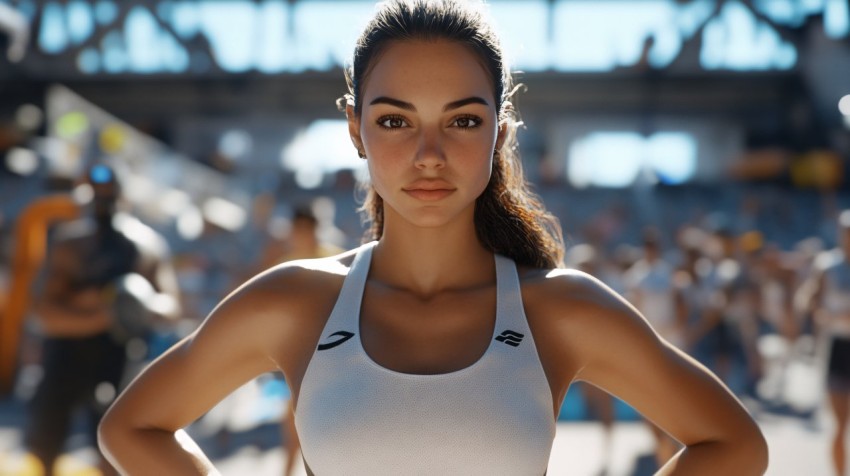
(433, 67)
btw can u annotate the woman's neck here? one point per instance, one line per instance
(426, 261)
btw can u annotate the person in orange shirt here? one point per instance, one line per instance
(29, 241)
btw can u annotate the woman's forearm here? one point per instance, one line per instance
(148, 451)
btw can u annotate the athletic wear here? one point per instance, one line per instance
(495, 417)
(838, 369)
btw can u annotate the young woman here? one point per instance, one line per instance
(828, 294)
(447, 344)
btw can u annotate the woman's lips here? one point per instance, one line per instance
(429, 195)
(429, 190)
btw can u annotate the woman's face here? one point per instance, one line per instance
(428, 126)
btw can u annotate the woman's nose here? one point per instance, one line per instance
(430, 152)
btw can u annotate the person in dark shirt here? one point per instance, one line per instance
(105, 280)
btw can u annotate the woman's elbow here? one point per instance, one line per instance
(108, 433)
(763, 453)
(753, 449)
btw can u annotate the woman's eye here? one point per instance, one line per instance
(391, 122)
(467, 122)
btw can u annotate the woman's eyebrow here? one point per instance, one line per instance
(410, 107)
(464, 102)
(393, 102)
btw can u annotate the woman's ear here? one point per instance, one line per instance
(354, 129)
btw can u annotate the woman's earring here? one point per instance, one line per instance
(361, 154)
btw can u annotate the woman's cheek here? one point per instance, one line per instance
(376, 177)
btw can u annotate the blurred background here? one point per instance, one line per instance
(710, 133)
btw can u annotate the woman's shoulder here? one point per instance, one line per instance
(281, 308)
(572, 315)
(576, 318)
(561, 286)
(301, 276)
(574, 301)
(293, 290)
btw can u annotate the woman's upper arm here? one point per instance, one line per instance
(620, 352)
(233, 345)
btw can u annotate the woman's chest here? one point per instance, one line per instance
(427, 336)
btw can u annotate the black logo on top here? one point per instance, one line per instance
(343, 336)
(512, 338)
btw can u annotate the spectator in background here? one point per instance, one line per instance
(651, 288)
(309, 233)
(106, 276)
(305, 240)
(828, 292)
(743, 304)
(690, 281)
(776, 288)
(29, 246)
(731, 310)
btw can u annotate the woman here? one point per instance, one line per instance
(446, 345)
(827, 294)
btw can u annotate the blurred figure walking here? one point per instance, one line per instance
(105, 280)
(829, 294)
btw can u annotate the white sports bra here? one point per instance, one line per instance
(494, 417)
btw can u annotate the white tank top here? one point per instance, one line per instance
(495, 417)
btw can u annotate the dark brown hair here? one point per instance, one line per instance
(509, 218)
